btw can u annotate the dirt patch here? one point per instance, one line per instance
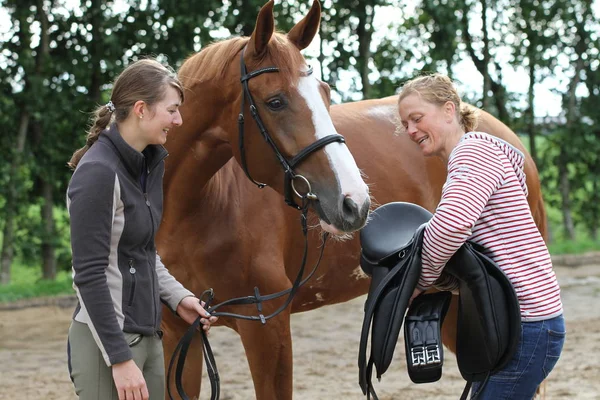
(64, 301)
(33, 353)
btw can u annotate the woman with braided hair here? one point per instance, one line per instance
(115, 200)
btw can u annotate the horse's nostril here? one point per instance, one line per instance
(350, 207)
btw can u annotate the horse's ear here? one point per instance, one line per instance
(265, 25)
(305, 30)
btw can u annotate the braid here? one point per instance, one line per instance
(101, 119)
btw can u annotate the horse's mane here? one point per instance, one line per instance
(212, 63)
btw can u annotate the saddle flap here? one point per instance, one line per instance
(390, 230)
(384, 311)
(389, 313)
(489, 318)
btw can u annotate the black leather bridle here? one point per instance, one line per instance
(288, 165)
(181, 350)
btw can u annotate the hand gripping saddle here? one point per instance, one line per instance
(489, 321)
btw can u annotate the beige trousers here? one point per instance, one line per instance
(93, 379)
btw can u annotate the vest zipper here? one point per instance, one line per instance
(154, 307)
(149, 169)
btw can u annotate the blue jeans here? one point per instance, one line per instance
(538, 351)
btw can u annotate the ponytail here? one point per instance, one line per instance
(468, 117)
(101, 119)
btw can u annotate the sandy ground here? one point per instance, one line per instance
(33, 356)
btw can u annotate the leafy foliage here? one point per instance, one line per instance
(367, 49)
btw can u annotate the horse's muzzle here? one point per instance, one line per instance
(345, 217)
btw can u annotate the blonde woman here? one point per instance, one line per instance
(484, 200)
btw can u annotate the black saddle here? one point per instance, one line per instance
(488, 317)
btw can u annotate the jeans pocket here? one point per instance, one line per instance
(556, 340)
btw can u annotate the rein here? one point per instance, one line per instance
(182, 348)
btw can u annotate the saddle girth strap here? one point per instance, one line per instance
(423, 336)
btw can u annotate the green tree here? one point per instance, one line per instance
(24, 75)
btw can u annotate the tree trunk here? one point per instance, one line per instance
(321, 57)
(364, 30)
(96, 50)
(595, 216)
(49, 234)
(499, 93)
(487, 82)
(563, 158)
(10, 208)
(48, 254)
(530, 112)
(565, 192)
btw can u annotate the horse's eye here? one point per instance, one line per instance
(275, 104)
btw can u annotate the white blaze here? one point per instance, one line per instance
(341, 161)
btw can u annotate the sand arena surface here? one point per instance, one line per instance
(33, 353)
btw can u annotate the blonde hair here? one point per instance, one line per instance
(145, 80)
(439, 89)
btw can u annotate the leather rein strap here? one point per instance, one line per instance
(288, 165)
(181, 350)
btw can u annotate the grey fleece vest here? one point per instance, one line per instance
(117, 274)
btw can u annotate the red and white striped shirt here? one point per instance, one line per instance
(484, 200)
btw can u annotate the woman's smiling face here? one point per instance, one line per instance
(164, 115)
(426, 123)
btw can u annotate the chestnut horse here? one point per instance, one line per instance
(219, 231)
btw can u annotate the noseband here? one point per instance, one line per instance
(288, 165)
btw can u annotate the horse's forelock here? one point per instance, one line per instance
(283, 54)
(212, 62)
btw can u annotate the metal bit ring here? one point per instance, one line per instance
(309, 195)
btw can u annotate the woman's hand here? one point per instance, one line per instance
(415, 293)
(129, 381)
(190, 308)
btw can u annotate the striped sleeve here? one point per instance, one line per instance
(475, 172)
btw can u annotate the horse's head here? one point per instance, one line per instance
(286, 138)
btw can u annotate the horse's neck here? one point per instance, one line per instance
(197, 151)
